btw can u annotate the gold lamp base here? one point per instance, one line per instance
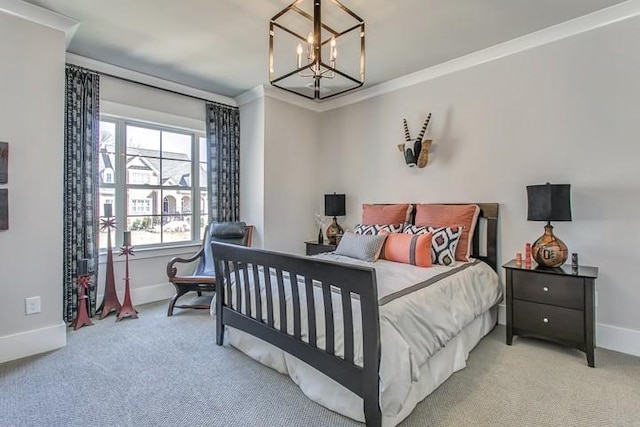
(333, 231)
(548, 250)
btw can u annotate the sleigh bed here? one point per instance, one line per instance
(367, 340)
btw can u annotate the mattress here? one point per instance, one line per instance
(430, 318)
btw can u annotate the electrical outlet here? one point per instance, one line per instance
(32, 305)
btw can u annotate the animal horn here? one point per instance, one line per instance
(407, 137)
(424, 128)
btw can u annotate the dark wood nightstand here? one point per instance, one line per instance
(556, 304)
(313, 247)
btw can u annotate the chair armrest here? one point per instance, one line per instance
(172, 271)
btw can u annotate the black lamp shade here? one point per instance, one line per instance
(549, 202)
(334, 205)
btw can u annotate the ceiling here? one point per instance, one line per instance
(221, 46)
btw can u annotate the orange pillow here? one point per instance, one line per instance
(385, 214)
(414, 249)
(466, 216)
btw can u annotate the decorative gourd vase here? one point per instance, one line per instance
(333, 231)
(548, 250)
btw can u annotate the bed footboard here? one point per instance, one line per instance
(241, 306)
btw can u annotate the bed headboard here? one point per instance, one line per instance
(485, 235)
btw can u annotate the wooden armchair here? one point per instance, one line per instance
(203, 277)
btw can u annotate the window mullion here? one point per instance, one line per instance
(120, 180)
(195, 187)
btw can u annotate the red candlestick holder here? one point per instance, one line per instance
(127, 310)
(82, 315)
(110, 302)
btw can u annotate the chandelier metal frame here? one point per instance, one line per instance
(316, 68)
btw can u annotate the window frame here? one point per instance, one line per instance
(120, 187)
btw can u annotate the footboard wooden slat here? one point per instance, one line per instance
(227, 275)
(295, 295)
(281, 298)
(311, 312)
(347, 322)
(247, 293)
(258, 295)
(328, 319)
(354, 283)
(267, 280)
(236, 273)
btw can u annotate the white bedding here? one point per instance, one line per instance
(419, 316)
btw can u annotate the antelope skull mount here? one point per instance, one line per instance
(418, 154)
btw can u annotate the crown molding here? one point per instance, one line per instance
(125, 73)
(250, 95)
(592, 21)
(41, 16)
(262, 91)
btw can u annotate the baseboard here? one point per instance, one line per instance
(28, 343)
(618, 339)
(502, 314)
(152, 293)
(147, 294)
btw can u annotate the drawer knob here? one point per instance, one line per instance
(545, 289)
(545, 320)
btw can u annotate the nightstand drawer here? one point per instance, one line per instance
(558, 322)
(549, 289)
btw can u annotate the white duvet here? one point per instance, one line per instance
(421, 310)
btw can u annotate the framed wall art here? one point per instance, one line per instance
(4, 162)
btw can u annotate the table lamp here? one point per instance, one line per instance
(334, 206)
(549, 202)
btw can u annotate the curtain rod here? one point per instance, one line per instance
(126, 79)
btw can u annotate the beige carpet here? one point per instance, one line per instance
(160, 371)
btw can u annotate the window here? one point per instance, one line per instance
(151, 175)
(108, 176)
(141, 206)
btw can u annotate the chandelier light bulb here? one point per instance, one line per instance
(333, 50)
(299, 54)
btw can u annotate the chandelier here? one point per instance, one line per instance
(304, 42)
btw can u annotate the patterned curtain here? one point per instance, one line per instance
(81, 139)
(223, 148)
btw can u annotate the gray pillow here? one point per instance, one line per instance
(361, 246)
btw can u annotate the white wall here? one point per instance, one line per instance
(292, 172)
(252, 167)
(566, 112)
(32, 121)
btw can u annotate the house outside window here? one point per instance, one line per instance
(151, 175)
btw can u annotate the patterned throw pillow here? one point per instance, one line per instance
(377, 228)
(414, 249)
(360, 246)
(444, 241)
